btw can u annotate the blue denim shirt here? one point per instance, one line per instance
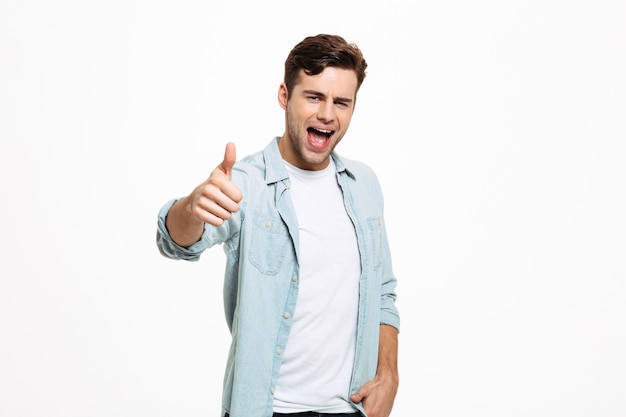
(261, 275)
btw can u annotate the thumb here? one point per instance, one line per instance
(230, 156)
(357, 397)
(363, 392)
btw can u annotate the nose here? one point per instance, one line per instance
(325, 112)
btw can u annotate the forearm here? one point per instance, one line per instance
(388, 356)
(184, 228)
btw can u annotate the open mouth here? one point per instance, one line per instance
(319, 138)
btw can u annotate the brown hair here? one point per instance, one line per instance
(315, 53)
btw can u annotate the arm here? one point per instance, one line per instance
(379, 394)
(211, 202)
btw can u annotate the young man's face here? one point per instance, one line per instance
(318, 113)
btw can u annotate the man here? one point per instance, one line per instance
(309, 292)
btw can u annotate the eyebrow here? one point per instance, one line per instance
(318, 94)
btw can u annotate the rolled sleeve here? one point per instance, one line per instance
(171, 249)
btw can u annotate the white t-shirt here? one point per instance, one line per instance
(317, 363)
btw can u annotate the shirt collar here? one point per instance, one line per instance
(275, 169)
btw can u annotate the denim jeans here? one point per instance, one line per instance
(314, 414)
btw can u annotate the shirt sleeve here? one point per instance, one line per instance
(171, 249)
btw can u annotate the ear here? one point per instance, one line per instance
(283, 96)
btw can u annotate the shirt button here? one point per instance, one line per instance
(279, 351)
(294, 278)
(272, 390)
(268, 224)
(286, 315)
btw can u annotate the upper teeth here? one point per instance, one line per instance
(324, 131)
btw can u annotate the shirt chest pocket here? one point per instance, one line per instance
(269, 243)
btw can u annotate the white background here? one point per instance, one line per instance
(498, 129)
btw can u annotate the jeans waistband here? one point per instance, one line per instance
(314, 414)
